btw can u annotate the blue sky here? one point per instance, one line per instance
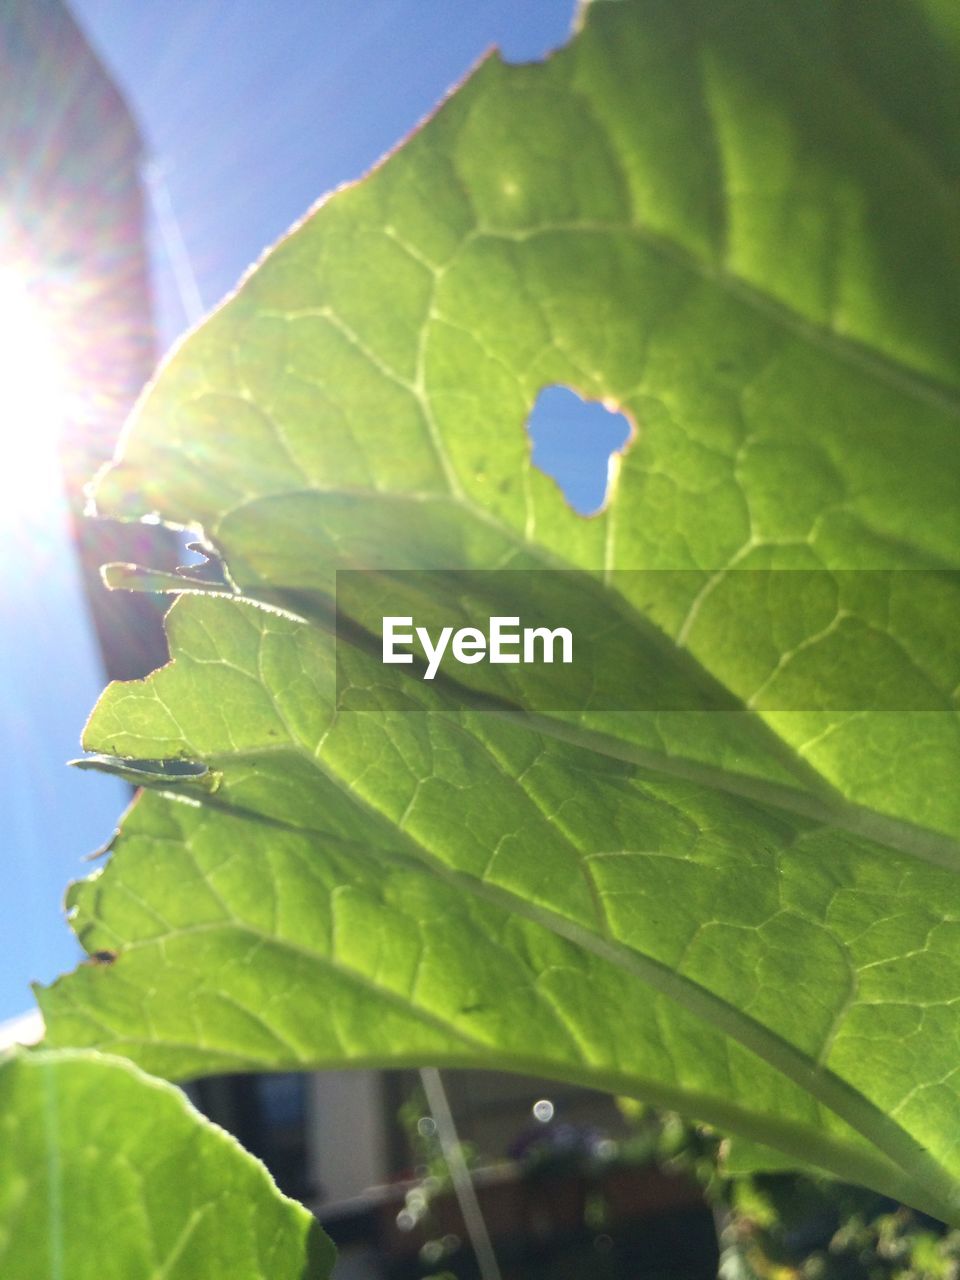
(250, 112)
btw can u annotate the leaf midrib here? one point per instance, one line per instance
(815, 797)
(855, 1163)
(830, 1090)
(877, 1165)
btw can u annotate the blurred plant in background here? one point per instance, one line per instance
(770, 1226)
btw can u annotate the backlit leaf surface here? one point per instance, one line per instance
(738, 223)
(106, 1174)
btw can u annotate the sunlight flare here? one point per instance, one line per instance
(32, 400)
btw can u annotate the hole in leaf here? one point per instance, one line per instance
(574, 441)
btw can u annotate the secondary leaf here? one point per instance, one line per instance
(92, 1148)
(728, 221)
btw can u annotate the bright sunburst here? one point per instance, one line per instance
(32, 402)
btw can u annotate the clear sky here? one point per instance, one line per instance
(250, 111)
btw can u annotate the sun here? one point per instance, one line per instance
(32, 402)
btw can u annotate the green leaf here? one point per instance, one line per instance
(733, 222)
(106, 1174)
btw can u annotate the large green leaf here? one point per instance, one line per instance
(95, 1151)
(733, 221)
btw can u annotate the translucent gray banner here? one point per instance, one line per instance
(658, 640)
